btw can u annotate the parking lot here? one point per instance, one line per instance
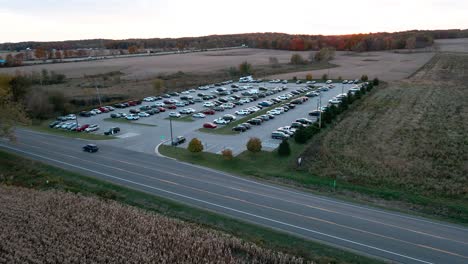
(146, 133)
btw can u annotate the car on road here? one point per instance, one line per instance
(90, 148)
(174, 114)
(91, 128)
(209, 125)
(112, 131)
(199, 115)
(178, 140)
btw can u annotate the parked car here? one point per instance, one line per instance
(209, 125)
(315, 113)
(90, 148)
(239, 128)
(132, 117)
(82, 127)
(209, 112)
(304, 121)
(134, 111)
(53, 124)
(279, 135)
(174, 114)
(199, 115)
(112, 131)
(229, 117)
(143, 114)
(255, 121)
(178, 140)
(171, 107)
(91, 128)
(220, 121)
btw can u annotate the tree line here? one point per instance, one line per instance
(355, 42)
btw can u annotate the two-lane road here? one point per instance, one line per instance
(389, 235)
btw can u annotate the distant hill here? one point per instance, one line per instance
(356, 42)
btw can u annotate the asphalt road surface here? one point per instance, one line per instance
(384, 234)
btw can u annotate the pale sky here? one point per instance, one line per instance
(48, 20)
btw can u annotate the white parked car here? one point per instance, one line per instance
(159, 104)
(329, 81)
(220, 121)
(91, 128)
(242, 112)
(132, 117)
(143, 114)
(208, 104)
(148, 99)
(199, 115)
(274, 112)
(96, 111)
(174, 114)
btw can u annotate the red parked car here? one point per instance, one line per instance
(171, 107)
(209, 112)
(162, 109)
(209, 125)
(132, 103)
(82, 128)
(103, 109)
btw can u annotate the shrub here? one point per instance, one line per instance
(273, 62)
(227, 154)
(245, 68)
(364, 78)
(309, 77)
(324, 76)
(195, 146)
(254, 145)
(284, 149)
(312, 130)
(297, 59)
(376, 81)
(300, 136)
(294, 78)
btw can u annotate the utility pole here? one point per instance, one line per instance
(99, 95)
(170, 125)
(320, 111)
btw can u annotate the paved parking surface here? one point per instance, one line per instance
(145, 138)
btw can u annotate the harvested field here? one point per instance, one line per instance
(39, 227)
(151, 66)
(408, 136)
(452, 45)
(385, 65)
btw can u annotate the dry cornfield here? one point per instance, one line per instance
(57, 227)
(410, 135)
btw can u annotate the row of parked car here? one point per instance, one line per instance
(286, 132)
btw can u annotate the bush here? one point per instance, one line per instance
(195, 146)
(297, 59)
(227, 154)
(294, 78)
(273, 62)
(309, 77)
(376, 81)
(324, 76)
(312, 130)
(245, 68)
(369, 86)
(254, 145)
(284, 149)
(300, 136)
(364, 78)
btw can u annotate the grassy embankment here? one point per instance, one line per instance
(22, 172)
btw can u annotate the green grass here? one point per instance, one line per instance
(125, 121)
(186, 118)
(23, 172)
(44, 127)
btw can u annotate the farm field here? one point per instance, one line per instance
(452, 45)
(44, 226)
(409, 136)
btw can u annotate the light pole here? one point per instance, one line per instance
(97, 91)
(342, 87)
(320, 111)
(170, 125)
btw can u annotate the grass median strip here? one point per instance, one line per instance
(125, 121)
(31, 174)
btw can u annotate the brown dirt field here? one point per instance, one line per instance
(452, 45)
(385, 65)
(151, 66)
(56, 227)
(408, 136)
